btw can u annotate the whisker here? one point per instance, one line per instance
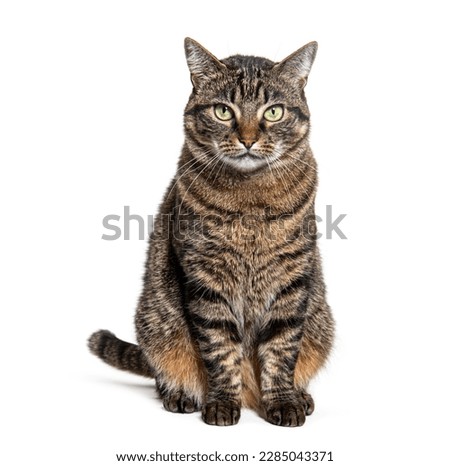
(276, 166)
(213, 159)
(191, 164)
(220, 169)
(302, 161)
(279, 169)
(178, 177)
(294, 161)
(213, 168)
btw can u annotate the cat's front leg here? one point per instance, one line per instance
(217, 332)
(278, 352)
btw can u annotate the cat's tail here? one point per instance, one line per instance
(119, 354)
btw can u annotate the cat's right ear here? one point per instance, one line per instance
(202, 64)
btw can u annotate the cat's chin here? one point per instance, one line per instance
(246, 162)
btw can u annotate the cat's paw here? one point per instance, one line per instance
(179, 402)
(221, 413)
(308, 403)
(287, 414)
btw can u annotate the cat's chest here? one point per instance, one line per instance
(241, 259)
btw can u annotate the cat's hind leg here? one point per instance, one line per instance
(306, 400)
(311, 358)
(180, 375)
(177, 401)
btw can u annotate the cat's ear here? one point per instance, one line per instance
(202, 64)
(298, 64)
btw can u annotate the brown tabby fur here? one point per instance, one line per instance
(233, 311)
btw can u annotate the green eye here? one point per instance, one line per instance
(274, 113)
(223, 112)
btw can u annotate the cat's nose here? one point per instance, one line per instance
(247, 143)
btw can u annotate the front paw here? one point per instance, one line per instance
(221, 413)
(287, 414)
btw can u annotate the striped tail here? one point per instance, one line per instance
(119, 354)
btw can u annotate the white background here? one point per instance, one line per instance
(91, 101)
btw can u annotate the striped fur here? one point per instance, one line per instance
(233, 311)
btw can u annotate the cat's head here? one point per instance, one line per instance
(246, 112)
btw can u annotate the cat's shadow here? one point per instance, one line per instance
(146, 390)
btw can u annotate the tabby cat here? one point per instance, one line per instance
(233, 311)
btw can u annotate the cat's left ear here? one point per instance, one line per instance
(298, 65)
(202, 64)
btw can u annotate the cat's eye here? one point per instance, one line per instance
(274, 113)
(223, 112)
